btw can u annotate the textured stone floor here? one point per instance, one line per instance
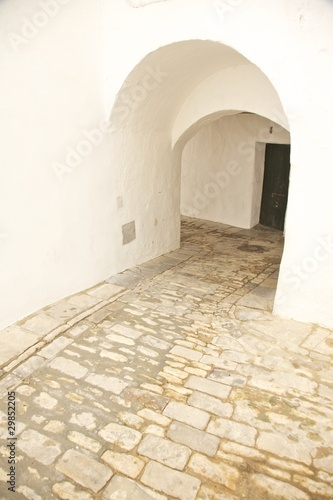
(172, 381)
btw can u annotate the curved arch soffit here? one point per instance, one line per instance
(189, 133)
(163, 89)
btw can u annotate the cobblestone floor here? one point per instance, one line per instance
(173, 381)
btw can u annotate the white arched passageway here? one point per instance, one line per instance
(172, 94)
(168, 75)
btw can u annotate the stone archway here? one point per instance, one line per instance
(223, 168)
(164, 101)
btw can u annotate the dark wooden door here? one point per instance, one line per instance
(275, 188)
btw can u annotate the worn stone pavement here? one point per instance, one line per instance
(173, 380)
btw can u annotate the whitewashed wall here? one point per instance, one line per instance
(221, 180)
(67, 189)
(52, 218)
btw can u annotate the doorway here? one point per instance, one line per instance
(275, 186)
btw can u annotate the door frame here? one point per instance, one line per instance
(277, 166)
(259, 171)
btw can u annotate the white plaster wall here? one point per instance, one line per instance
(60, 237)
(150, 197)
(220, 179)
(54, 239)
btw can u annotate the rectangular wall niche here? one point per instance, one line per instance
(128, 232)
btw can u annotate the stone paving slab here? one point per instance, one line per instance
(172, 381)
